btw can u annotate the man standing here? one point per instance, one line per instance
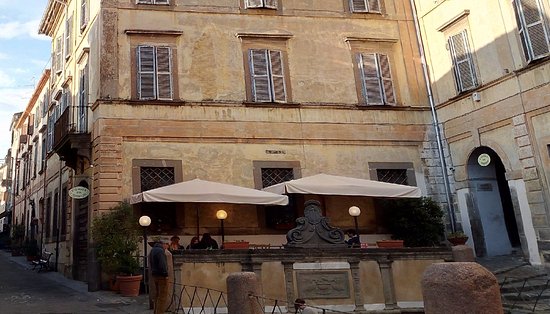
(302, 308)
(159, 272)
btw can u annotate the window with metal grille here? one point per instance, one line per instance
(397, 176)
(163, 215)
(278, 217)
(272, 176)
(156, 177)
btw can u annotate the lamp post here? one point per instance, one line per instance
(145, 221)
(354, 212)
(221, 215)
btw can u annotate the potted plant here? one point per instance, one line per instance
(31, 249)
(457, 238)
(17, 235)
(116, 237)
(418, 222)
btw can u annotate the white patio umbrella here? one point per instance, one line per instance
(325, 184)
(201, 191)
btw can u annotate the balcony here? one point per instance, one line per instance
(71, 140)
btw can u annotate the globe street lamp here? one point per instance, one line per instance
(145, 221)
(354, 212)
(221, 215)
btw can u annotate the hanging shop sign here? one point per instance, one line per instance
(79, 192)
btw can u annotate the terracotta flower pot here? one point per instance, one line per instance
(389, 243)
(236, 245)
(129, 285)
(458, 240)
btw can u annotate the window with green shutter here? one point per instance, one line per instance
(376, 79)
(267, 75)
(533, 29)
(365, 6)
(154, 72)
(463, 64)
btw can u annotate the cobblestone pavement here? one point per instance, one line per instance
(23, 290)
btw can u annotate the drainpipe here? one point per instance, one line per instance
(435, 121)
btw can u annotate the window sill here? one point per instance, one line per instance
(272, 104)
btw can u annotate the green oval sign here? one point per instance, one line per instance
(484, 160)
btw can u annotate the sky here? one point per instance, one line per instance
(24, 55)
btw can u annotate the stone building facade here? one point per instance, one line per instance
(144, 93)
(489, 64)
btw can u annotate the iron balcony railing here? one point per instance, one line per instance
(73, 120)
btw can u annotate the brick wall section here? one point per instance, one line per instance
(531, 177)
(434, 174)
(107, 160)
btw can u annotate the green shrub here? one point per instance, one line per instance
(116, 237)
(418, 222)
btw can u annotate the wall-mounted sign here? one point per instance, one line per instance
(484, 160)
(79, 192)
(275, 151)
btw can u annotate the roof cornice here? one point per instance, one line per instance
(52, 15)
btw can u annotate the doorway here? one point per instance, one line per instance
(80, 244)
(492, 218)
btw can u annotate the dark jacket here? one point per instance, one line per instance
(157, 260)
(354, 241)
(207, 243)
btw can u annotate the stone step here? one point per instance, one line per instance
(527, 296)
(530, 285)
(525, 307)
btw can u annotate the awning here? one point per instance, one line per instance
(201, 191)
(324, 184)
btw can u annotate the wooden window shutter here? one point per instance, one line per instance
(146, 72)
(254, 3)
(271, 4)
(387, 83)
(164, 72)
(58, 50)
(278, 87)
(83, 100)
(30, 125)
(84, 13)
(68, 36)
(370, 79)
(533, 30)
(373, 6)
(261, 89)
(54, 61)
(359, 5)
(463, 65)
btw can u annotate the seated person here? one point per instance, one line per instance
(207, 243)
(175, 244)
(193, 244)
(353, 238)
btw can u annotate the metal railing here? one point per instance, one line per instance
(200, 300)
(528, 295)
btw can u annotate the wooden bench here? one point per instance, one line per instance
(43, 263)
